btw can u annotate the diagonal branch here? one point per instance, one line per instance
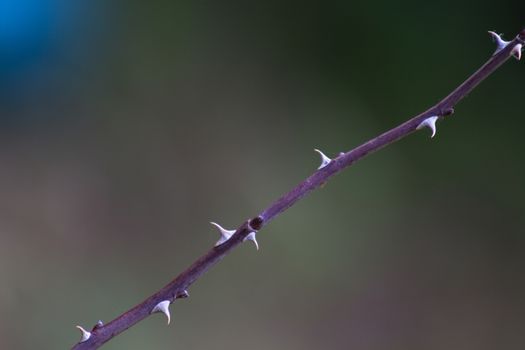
(160, 301)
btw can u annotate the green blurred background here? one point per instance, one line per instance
(125, 127)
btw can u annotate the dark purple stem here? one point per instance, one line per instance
(177, 288)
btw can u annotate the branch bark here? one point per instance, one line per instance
(101, 334)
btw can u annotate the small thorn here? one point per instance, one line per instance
(324, 159)
(225, 234)
(429, 123)
(516, 51)
(447, 112)
(164, 307)
(85, 334)
(500, 43)
(98, 325)
(183, 294)
(251, 237)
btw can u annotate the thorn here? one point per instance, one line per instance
(85, 334)
(447, 112)
(98, 325)
(225, 234)
(500, 43)
(183, 294)
(516, 51)
(164, 307)
(251, 237)
(430, 123)
(324, 159)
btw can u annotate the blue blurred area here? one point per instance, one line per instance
(29, 33)
(36, 38)
(26, 28)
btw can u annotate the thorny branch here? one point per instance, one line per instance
(160, 301)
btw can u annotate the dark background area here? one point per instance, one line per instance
(125, 127)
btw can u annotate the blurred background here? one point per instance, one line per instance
(125, 127)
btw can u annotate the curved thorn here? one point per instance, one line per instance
(516, 51)
(225, 234)
(324, 159)
(85, 334)
(164, 307)
(251, 237)
(500, 43)
(430, 123)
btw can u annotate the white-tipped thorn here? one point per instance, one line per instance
(500, 43)
(85, 334)
(429, 123)
(516, 51)
(251, 237)
(324, 159)
(225, 234)
(164, 307)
